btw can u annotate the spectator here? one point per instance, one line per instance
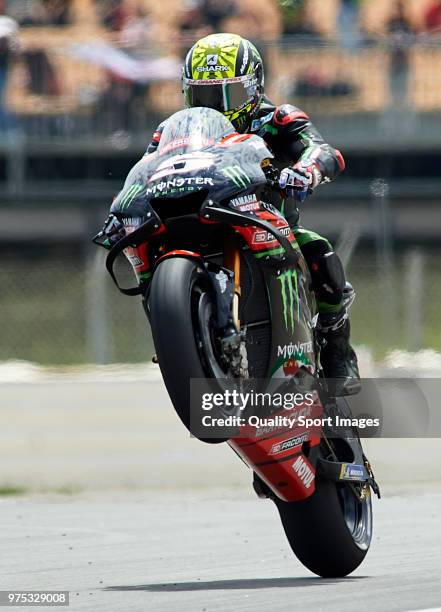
(40, 12)
(203, 17)
(124, 105)
(112, 14)
(296, 20)
(57, 12)
(432, 18)
(192, 24)
(348, 24)
(136, 29)
(313, 82)
(27, 12)
(258, 20)
(42, 76)
(215, 11)
(401, 34)
(8, 44)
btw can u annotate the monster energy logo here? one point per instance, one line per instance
(129, 196)
(289, 288)
(237, 175)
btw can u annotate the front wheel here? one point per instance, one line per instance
(181, 311)
(330, 532)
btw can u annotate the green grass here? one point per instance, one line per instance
(10, 490)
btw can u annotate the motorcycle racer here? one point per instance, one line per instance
(225, 72)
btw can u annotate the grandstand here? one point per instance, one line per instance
(80, 122)
(78, 85)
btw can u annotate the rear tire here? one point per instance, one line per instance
(319, 534)
(173, 303)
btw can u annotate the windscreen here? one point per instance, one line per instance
(193, 129)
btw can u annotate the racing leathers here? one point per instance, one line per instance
(305, 161)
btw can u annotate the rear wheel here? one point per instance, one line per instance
(330, 532)
(181, 312)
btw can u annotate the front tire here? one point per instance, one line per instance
(179, 289)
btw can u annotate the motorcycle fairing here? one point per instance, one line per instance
(263, 228)
(222, 170)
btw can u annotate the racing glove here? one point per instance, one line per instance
(301, 179)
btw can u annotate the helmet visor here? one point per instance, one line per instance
(223, 95)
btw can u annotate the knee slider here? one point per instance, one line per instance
(328, 277)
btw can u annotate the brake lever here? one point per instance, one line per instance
(272, 175)
(113, 230)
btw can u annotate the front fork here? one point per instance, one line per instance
(233, 341)
(232, 262)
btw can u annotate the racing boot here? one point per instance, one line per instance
(338, 358)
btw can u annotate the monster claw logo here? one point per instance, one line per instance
(128, 197)
(289, 287)
(237, 175)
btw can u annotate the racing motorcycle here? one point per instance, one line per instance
(227, 293)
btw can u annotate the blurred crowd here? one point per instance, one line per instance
(203, 16)
(144, 30)
(38, 12)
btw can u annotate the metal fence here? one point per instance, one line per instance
(62, 311)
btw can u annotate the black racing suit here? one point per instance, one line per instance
(292, 137)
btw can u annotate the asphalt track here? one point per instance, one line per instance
(207, 551)
(116, 428)
(164, 523)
